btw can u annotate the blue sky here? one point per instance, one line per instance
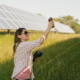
(48, 8)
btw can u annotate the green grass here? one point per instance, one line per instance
(60, 59)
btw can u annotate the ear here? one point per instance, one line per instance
(19, 36)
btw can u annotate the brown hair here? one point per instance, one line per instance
(16, 39)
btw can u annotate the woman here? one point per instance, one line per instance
(22, 51)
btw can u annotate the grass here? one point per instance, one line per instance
(60, 59)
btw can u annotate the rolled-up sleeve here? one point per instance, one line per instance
(31, 44)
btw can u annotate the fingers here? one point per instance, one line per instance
(52, 23)
(36, 58)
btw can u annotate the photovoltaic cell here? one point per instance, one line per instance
(9, 15)
(24, 18)
(1, 27)
(17, 10)
(33, 26)
(29, 26)
(15, 17)
(1, 8)
(24, 13)
(7, 8)
(20, 17)
(13, 10)
(26, 25)
(27, 20)
(11, 24)
(21, 25)
(18, 25)
(3, 22)
(20, 12)
(3, 15)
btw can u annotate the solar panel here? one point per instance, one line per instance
(12, 18)
(22, 12)
(24, 19)
(63, 28)
(1, 8)
(20, 17)
(18, 25)
(23, 24)
(3, 14)
(12, 9)
(26, 25)
(15, 17)
(6, 8)
(17, 10)
(9, 15)
(4, 23)
(1, 27)
(11, 24)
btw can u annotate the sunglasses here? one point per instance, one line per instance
(25, 32)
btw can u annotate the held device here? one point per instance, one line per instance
(50, 19)
(37, 54)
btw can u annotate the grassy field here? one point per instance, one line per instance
(60, 59)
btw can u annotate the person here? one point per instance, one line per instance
(22, 52)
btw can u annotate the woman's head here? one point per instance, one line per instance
(21, 35)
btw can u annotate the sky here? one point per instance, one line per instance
(48, 8)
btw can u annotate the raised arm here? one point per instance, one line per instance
(45, 34)
(33, 44)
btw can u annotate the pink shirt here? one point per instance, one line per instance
(24, 74)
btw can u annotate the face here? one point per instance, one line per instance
(23, 36)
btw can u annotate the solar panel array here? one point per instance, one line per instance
(61, 28)
(12, 18)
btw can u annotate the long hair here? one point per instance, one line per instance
(17, 40)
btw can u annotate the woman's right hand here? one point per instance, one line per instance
(50, 24)
(44, 36)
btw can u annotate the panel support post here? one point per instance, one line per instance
(8, 31)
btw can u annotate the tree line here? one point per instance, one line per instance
(70, 21)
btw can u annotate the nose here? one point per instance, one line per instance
(27, 34)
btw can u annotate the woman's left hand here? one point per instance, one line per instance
(36, 58)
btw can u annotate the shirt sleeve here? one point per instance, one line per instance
(31, 44)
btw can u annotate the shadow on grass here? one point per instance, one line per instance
(60, 61)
